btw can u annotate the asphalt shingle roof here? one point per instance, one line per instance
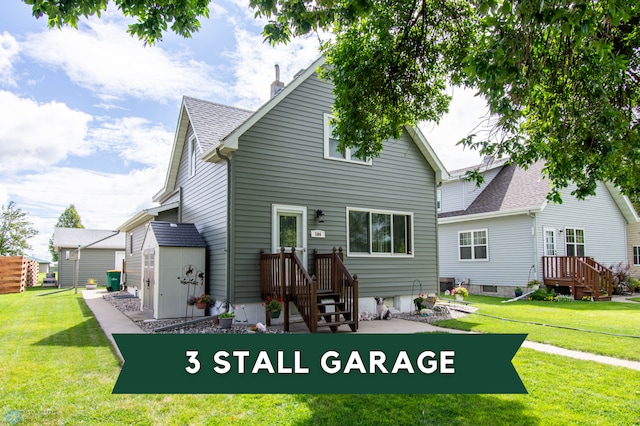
(212, 122)
(512, 189)
(169, 234)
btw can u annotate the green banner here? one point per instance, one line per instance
(319, 363)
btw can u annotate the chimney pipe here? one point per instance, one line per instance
(277, 85)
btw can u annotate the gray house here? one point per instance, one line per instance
(273, 178)
(100, 251)
(503, 234)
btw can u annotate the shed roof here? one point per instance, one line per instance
(90, 238)
(170, 234)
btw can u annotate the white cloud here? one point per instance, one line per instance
(134, 139)
(467, 114)
(103, 200)
(9, 50)
(253, 62)
(35, 135)
(102, 58)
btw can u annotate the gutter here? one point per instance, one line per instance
(229, 224)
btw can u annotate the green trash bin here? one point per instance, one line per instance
(113, 280)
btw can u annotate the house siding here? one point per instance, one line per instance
(134, 258)
(281, 161)
(633, 238)
(511, 252)
(599, 216)
(94, 263)
(204, 203)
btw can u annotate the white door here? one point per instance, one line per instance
(289, 229)
(550, 242)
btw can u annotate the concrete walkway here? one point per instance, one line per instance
(113, 321)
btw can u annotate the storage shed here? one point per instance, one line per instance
(174, 256)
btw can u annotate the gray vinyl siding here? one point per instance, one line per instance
(204, 203)
(94, 263)
(281, 161)
(599, 216)
(134, 257)
(511, 252)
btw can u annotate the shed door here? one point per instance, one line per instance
(289, 229)
(149, 279)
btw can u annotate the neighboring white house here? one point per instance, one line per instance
(496, 235)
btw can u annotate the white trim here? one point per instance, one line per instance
(473, 245)
(575, 244)
(488, 215)
(348, 157)
(385, 255)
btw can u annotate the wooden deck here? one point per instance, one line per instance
(582, 275)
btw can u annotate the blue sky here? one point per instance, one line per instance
(87, 116)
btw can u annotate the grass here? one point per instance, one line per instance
(56, 367)
(601, 317)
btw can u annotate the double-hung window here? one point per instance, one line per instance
(636, 255)
(574, 241)
(331, 142)
(193, 153)
(473, 245)
(379, 233)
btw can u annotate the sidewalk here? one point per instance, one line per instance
(113, 321)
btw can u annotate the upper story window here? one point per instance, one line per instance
(473, 245)
(379, 233)
(331, 151)
(574, 241)
(193, 153)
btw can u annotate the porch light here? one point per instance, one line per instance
(319, 216)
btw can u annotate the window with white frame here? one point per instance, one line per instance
(473, 245)
(636, 255)
(574, 239)
(331, 142)
(193, 152)
(439, 200)
(379, 233)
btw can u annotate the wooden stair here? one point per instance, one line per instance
(336, 317)
(583, 275)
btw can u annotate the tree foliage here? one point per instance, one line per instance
(561, 77)
(154, 17)
(15, 231)
(68, 219)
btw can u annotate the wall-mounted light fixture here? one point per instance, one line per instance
(319, 216)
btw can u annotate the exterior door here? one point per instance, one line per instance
(289, 229)
(550, 242)
(148, 284)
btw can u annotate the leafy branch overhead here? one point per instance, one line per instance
(560, 78)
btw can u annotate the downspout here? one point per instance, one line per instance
(535, 243)
(229, 224)
(180, 204)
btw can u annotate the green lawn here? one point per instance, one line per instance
(57, 368)
(613, 318)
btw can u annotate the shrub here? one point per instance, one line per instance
(541, 294)
(564, 298)
(621, 277)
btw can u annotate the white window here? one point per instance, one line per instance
(574, 241)
(331, 151)
(636, 255)
(473, 245)
(439, 199)
(193, 152)
(379, 233)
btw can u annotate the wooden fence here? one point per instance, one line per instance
(17, 273)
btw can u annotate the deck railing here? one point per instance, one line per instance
(332, 275)
(580, 273)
